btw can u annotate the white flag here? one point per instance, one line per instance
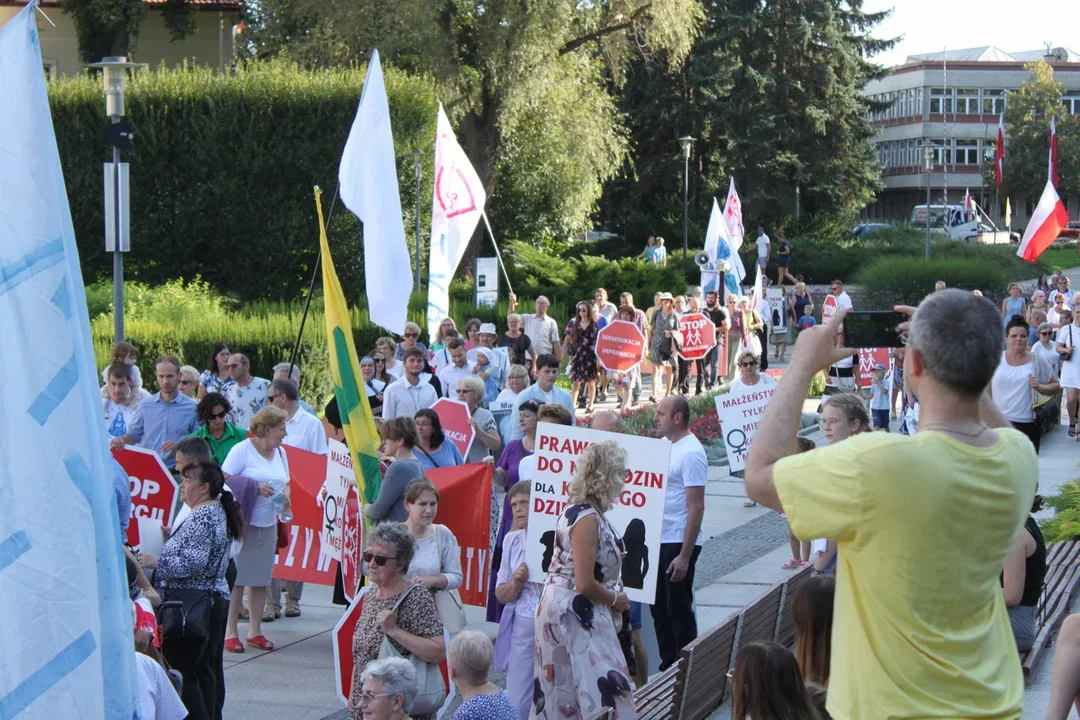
(66, 644)
(457, 203)
(718, 245)
(733, 215)
(369, 187)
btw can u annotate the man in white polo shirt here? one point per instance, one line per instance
(542, 329)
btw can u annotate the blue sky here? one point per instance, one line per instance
(930, 25)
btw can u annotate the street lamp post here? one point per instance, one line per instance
(928, 165)
(418, 166)
(686, 143)
(117, 186)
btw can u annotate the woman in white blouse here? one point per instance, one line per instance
(259, 458)
(437, 562)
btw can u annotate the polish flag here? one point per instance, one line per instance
(1053, 151)
(1045, 226)
(999, 152)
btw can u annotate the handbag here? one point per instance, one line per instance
(430, 689)
(1067, 357)
(185, 615)
(282, 535)
(448, 602)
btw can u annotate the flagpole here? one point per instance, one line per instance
(311, 286)
(498, 254)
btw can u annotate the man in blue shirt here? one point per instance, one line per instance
(542, 391)
(163, 418)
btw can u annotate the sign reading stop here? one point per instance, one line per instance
(454, 417)
(620, 346)
(699, 336)
(153, 489)
(868, 358)
(828, 308)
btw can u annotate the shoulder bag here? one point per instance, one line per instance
(184, 614)
(1042, 409)
(448, 602)
(430, 689)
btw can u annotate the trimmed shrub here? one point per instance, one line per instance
(223, 167)
(908, 280)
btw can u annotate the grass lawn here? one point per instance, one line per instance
(1060, 258)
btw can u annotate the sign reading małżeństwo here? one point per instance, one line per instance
(739, 417)
(638, 512)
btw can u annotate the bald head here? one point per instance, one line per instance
(672, 417)
(608, 421)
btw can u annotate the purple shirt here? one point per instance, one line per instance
(510, 459)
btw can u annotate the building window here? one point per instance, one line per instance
(967, 152)
(993, 102)
(943, 153)
(918, 101)
(940, 101)
(1072, 104)
(967, 101)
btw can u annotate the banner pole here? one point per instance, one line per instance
(498, 254)
(311, 288)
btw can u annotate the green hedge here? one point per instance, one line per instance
(907, 280)
(223, 168)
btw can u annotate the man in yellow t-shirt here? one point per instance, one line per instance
(923, 523)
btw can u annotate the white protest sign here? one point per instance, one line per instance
(778, 305)
(638, 513)
(739, 415)
(339, 478)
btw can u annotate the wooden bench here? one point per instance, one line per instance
(1062, 575)
(701, 688)
(786, 633)
(655, 700)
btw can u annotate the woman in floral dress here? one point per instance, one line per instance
(580, 668)
(580, 345)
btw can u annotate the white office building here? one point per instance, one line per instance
(953, 99)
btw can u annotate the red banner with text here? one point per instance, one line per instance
(304, 559)
(465, 508)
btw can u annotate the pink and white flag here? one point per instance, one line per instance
(456, 207)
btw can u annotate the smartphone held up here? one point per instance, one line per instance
(873, 329)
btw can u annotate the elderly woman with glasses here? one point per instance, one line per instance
(395, 609)
(412, 337)
(389, 690)
(749, 376)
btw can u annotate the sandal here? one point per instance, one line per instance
(792, 564)
(234, 645)
(261, 642)
(1072, 429)
(271, 615)
(749, 503)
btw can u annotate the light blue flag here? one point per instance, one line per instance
(66, 643)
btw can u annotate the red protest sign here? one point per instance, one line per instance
(868, 358)
(303, 559)
(465, 508)
(352, 546)
(454, 417)
(620, 346)
(153, 488)
(344, 662)
(828, 308)
(699, 336)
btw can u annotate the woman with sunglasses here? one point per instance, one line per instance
(218, 432)
(580, 667)
(373, 387)
(749, 380)
(579, 344)
(413, 628)
(411, 340)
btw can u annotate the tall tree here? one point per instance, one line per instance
(772, 91)
(109, 27)
(529, 85)
(1027, 130)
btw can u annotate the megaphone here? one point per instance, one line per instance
(702, 259)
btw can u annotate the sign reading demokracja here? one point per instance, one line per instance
(638, 512)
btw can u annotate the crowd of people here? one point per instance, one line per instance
(221, 431)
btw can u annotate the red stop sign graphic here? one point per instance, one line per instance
(699, 336)
(153, 489)
(620, 346)
(454, 417)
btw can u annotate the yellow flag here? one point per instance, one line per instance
(356, 418)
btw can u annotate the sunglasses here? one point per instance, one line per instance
(748, 364)
(379, 560)
(187, 382)
(412, 335)
(379, 360)
(272, 398)
(463, 392)
(218, 416)
(1044, 333)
